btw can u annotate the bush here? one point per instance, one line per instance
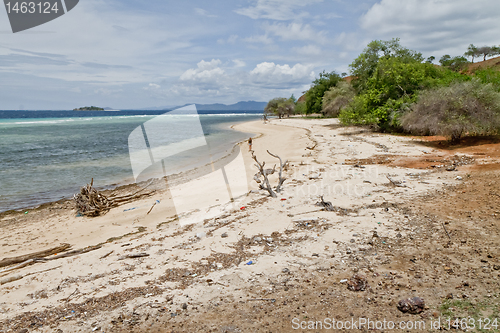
(314, 96)
(280, 107)
(337, 98)
(300, 108)
(463, 108)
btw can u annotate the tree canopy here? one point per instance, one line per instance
(280, 107)
(314, 96)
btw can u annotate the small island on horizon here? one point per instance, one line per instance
(89, 108)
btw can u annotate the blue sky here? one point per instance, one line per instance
(136, 54)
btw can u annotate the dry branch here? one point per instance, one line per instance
(71, 253)
(134, 255)
(281, 179)
(264, 185)
(21, 259)
(20, 276)
(91, 202)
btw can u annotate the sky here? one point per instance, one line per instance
(136, 54)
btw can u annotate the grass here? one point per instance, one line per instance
(468, 312)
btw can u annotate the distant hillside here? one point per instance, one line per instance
(89, 108)
(493, 63)
(240, 106)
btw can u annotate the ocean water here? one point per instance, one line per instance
(47, 156)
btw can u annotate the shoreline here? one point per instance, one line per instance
(173, 179)
(260, 260)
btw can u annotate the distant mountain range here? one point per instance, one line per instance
(240, 106)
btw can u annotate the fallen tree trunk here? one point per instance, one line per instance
(16, 260)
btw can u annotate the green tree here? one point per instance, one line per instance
(488, 51)
(388, 92)
(471, 52)
(431, 59)
(463, 108)
(314, 96)
(336, 98)
(456, 64)
(280, 107)
(364, 66)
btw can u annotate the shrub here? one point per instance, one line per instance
(314, 96)
(280, 107)
(337, 98)
(463, 108)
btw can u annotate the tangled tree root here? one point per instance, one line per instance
(91, 202)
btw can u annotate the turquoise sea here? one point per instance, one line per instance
(48, 155)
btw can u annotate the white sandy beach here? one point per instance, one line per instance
(289, 232)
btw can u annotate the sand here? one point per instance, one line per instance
(229, 248)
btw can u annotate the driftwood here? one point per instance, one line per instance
(134, 255)
(20, 276)
(21, 259)
(264, 184)
(71, 253)
(327, 205)
(91, 202)
(397, 184)
(312, 148)
(281, 179)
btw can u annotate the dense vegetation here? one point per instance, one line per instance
(89, 108)
(392, 88)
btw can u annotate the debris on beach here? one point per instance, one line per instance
(264, 173)
(357, 283)
(91, 202)
(413, 305)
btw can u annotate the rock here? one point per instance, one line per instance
(450, 168)
(258, 239)
(285, 270)
(224, 235)
(459, 178)
(201, 235)
(496, 267)
(357, 283)
(413, 305)
(184, 306)
(353, 241)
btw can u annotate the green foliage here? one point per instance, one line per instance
(337, 98)
(365, 65)
(314, 96)
(464, 107)
(456, 64)
(280, 107)
(300, 108)
(489, 76)
(389, 91)
(471, 52)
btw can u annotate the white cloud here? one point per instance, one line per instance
(205, 71)
(152, 86)
(203, 12)
(230, 40)
(239, 63)
(264, 39)
(308, 50)
(435, 25)
(276, 9)
(271, 73)
(296, 31)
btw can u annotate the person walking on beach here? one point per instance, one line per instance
(250, 144)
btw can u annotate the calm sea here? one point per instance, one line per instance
(48, 155)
